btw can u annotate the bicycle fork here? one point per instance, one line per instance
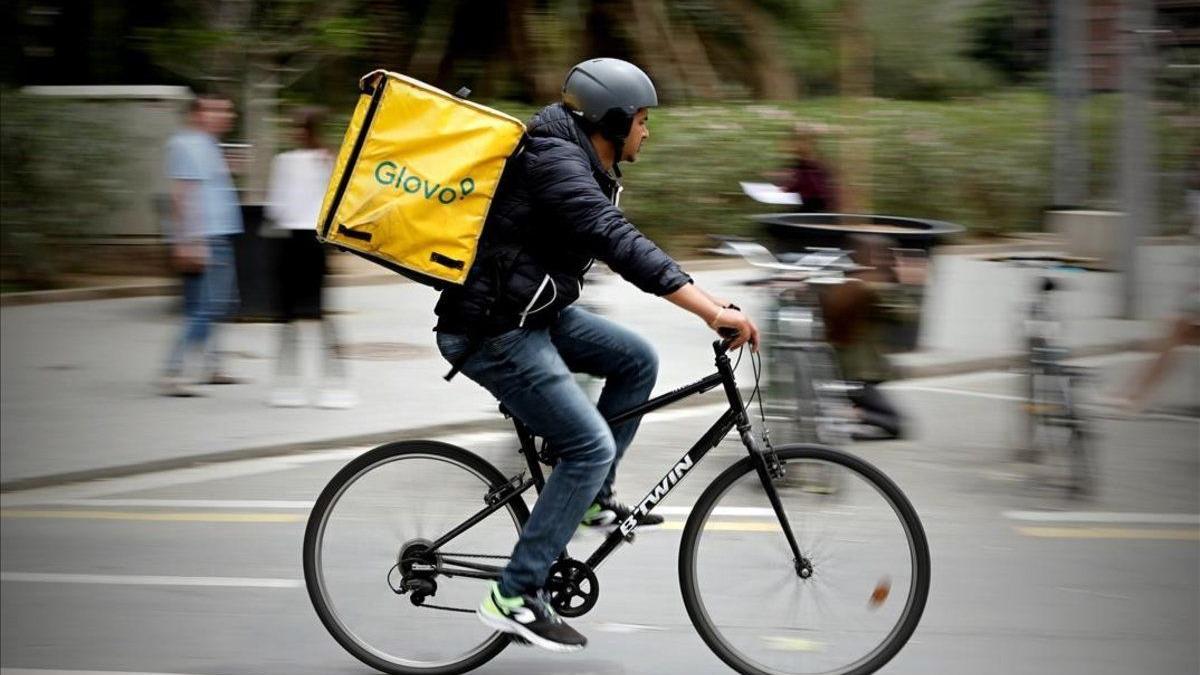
(765, 463)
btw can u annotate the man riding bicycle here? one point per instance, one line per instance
(512, 328)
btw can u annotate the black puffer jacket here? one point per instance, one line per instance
(552, 215)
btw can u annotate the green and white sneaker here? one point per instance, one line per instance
(606, 514)
(530, 618)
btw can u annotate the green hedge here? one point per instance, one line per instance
(981, 162)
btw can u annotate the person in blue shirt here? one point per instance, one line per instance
(204, 215)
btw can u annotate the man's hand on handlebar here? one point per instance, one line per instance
(730, 322)
(720, 316)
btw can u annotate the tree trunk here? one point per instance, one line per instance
(856, 89)
(433, 43)
(261, 87)
(693, 61)
(529, 69)
(650, 35)
(773, 77)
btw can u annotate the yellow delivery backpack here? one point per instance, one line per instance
(415, 176)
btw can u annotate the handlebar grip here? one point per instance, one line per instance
(727, 337)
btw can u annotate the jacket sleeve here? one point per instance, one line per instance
(561, 183)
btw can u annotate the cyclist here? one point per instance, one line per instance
(512, 328)
(875, 299)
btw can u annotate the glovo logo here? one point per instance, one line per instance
(399, 177)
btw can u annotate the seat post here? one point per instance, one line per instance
(528, 449)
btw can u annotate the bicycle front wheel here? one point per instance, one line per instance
(847, 606)
(379, 513)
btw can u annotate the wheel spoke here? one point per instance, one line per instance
(854, 528)
(390, 504)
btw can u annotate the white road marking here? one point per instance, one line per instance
(183, 503)
(40, 671)
(956, 392)
(1104, 517)
(609, 627)
(137, 580)
(1088, 591)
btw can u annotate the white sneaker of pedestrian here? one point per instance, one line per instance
(336, 399)
(175, 386)
(287, 397)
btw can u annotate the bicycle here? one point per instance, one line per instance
(1056, 431)
(808, 397)
(797, 547)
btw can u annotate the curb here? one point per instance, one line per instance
(169, 288)
(188, 461)
(479, 425)
(25, 298)
(160, 288)
(1013, 360)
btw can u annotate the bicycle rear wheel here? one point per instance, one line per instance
(380, 508)
(867, 576)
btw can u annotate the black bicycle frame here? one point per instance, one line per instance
(734, 416)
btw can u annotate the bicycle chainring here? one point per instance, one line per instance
(573, 587)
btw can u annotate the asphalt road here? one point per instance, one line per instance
(197, 571)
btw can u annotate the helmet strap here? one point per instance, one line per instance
(618, 143)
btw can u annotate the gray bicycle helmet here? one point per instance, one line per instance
(608, 93)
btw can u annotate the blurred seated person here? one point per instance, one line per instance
(807, 174)
(879, 297)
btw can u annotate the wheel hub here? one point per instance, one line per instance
(804, 568)
(418, 567)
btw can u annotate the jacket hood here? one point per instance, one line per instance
(555, 121)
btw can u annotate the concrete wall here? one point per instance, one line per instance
(144, 117)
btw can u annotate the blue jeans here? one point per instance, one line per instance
(208, 297)
(530, 372)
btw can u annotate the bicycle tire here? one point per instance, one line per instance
(920, 549)
(312, 537)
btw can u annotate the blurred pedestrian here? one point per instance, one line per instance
(875, 299)
(295, 190)
(1183, 328)
(204, 215)
(808, 174)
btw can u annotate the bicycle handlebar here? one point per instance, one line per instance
(728, 335)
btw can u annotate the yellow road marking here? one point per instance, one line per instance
(794, 644)
(1160, 534)
(155, 516)
(727, 526)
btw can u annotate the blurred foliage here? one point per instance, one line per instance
(995, 38)
(929, 63)
(52, 186)
(213, 43)
(518, 49)
(982, 162)
(950, 136)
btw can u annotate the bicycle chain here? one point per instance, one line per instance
(463, 555)
(448, 609)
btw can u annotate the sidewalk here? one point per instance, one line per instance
(77, 401)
